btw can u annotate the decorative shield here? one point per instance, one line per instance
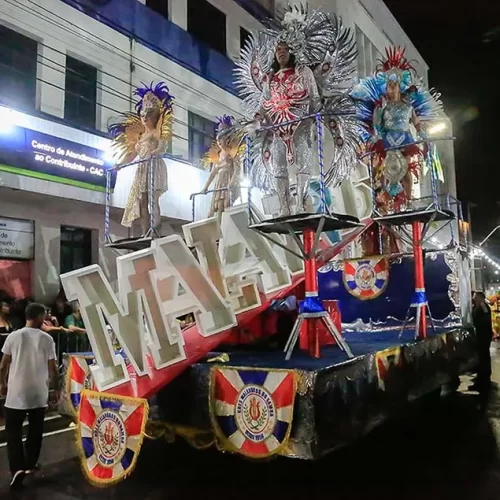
(78, 378)
(395, 166)
(110, 433)
(366, 279)
(252, 409)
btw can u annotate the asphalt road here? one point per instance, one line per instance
(440, 451)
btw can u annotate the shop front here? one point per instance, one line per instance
(16, 256)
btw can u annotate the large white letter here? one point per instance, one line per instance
(244, 252)
(203, 236)
(136, 305)
(184, 287)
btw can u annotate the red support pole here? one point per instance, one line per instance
(311, 288)
(418, 256)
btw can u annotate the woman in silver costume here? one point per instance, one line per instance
(294, 69)
(144, 136)
(289, 93)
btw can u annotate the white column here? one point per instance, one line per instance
(177, 12)
(51, 72)
(180, 145)
(232, 38)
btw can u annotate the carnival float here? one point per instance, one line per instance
(311, 326)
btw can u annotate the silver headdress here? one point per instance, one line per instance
(307, 33)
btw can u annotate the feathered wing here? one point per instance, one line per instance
(426, 103)
(211, 156)
(341, 121)
(261, 175)
(336, 69)
(367, 94)
(164, 126)
(251, 68)
(125, 135)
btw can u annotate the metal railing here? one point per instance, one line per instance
(151, 191)
(193, 196)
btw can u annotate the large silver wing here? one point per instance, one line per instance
(336, 71)
(260, 173)
(254, 64)
(340, 120)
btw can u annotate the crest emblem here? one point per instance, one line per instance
(108, 437)
(110, 433)
(252, 410)
(366, 279)
(255, 413)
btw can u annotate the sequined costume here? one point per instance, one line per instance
(276, 92)
(395, 109)
(143, 136)
(224, 160)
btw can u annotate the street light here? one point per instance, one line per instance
(436, 128)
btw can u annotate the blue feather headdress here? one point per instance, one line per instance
(153, 97)
(224, 122)
(369, 92)
(128, 129)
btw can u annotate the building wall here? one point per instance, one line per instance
(124, 63)
(61, 29)
(49, 214)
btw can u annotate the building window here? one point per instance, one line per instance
(267, 4)
(160, 6)
(76, 248)
(18, 61)
(244, 36)
(201, 135)
(80, 93)
(368, 55)
(207, 23)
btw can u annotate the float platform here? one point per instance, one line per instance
(337, 400)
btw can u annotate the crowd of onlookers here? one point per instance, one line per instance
(63, 321)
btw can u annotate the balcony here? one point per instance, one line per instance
(134, 20)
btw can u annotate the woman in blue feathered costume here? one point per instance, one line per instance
(394, 108)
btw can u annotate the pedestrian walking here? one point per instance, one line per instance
(28, 362)
(481, 316)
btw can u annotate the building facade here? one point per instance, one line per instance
(69, 68)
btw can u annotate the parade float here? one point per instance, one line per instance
(311, 326)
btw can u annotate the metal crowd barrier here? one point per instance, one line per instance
(70, 342)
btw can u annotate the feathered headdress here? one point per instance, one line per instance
(306, 33)
(396, 68)
(226, 128)
(127, 131)
(369, 92)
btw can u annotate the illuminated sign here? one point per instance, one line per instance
(55, 159)
(52, 155)
(17, 239)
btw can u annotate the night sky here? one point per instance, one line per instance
(465, 68)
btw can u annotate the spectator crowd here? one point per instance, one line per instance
(63, 322)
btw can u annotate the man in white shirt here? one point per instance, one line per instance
(29, 358)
